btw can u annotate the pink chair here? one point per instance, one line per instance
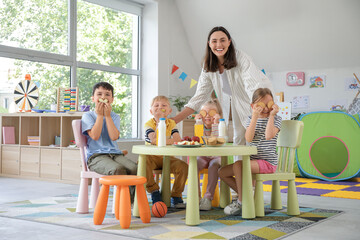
(83, 200)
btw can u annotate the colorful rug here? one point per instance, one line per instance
(214, 224)
(315, 187)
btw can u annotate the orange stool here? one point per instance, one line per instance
(122, 199)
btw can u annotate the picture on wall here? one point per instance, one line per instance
(300, 102)
(337, 104)
(317, 81)
(351, 84)
(284, 110)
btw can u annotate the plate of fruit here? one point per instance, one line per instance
(187, 142)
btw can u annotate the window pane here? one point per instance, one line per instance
(35, 24)
(124, 91)
(106, 36)
(47, 77)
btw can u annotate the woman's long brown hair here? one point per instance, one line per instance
(211, 62)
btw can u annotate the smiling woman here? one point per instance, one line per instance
(233, 76)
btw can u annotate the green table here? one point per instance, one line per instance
(192, 204)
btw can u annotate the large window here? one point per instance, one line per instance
(63, 43)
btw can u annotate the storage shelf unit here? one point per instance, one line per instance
(53, 163)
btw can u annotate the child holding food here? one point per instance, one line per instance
(160, 108)
(261, 131)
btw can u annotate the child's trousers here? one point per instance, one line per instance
(177, 167)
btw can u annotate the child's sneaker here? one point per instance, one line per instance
(177, 202)
(233, 208)
(205, 204)
(156, 196)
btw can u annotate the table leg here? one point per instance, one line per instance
(248, 208)
(165, 181)
(192, 203)
(224, 188)
(141, 171)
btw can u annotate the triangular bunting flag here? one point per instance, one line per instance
(193, 83)
(174, 68)
(183, 76)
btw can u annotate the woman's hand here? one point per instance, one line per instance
(124, 152)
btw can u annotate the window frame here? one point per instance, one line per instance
(70, 59)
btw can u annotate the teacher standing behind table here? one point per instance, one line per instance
(234, 78)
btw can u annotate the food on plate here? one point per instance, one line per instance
(220, 140)
(195, 139)
(214, 141)
(187, 143)
(211, 141)
(186, 138)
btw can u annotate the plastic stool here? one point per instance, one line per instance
(122, 199)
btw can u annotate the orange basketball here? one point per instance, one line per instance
(159, 209)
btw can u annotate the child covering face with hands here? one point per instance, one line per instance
(102, 130)
(262, 131)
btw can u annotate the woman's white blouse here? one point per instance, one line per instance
(243, 79)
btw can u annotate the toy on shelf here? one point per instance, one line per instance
(67, 99)
(26, 94)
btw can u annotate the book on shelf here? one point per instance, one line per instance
(33, 138)
(8, 135)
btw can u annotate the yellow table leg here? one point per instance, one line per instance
(192, 203)
(141, 171)
(224, 188)
(248, 208)
(165, 181)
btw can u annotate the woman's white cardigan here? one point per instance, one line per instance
(243, 79)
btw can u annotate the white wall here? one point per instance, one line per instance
(321, 98)
(280, 34)
(313, 36)
(164, 43)
(318, 37)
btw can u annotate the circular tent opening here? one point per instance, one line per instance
(329, 155)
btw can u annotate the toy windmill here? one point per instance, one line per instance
(26, 94)
(355, 105)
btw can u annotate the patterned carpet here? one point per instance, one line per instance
(307, 186)
(214, 224)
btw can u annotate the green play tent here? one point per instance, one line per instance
(330, 147)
